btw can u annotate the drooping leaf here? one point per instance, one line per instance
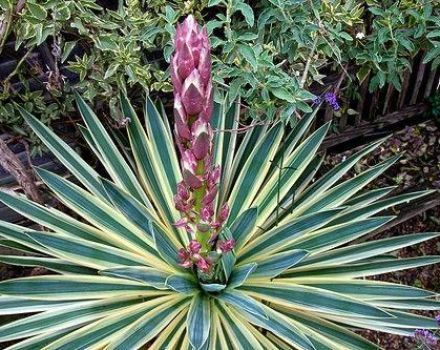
(240, 274)
(147, 275)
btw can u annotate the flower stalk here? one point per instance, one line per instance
(193, 106)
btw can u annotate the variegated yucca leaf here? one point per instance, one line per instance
(294, 280)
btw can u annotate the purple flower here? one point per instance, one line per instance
(317, 100)
(332, 100)
(425, 337)
(437, 318)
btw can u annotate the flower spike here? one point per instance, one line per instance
(193, 108)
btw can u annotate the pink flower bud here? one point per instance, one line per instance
(181, 125)
(206, 213)
(226, 246)
(184, 258)
(182, 191)
(201, 143)
(204, 66)
(193, 94)
(215, 225)
(177, 199)
(224, 213)
(185, 61)
(182, 205)
(191, 68)
(210, 196)
(181, 223)
(208, 108)
(196, 46)
(175, 78)
(203, 265)
(214, 176)
(189, 165)
(185, 31)
(194, 247)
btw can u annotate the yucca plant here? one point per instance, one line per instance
(156, 259)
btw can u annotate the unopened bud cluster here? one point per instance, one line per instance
(193, 107)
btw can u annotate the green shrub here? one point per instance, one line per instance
(269, 52)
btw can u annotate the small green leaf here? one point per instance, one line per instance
(37, 11)
(214, 24)
(346, 36)
(432, 54)
(363, 73)
(214, 2)
(106, 43)
(247, 12)
(283, 94)
(249, 55)
(6, 5)
(111, 70)
(68, 47)
(38, 33)
(433, 34)
(248, 36)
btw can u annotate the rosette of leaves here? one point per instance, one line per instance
(293, 279)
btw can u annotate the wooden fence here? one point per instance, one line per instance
(419, 83)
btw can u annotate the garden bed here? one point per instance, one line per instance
(418, 169)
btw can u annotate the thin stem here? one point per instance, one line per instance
(244, 128)
(308, 63)
(7, 25)
(17, 68)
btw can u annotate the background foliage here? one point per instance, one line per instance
(270, 53)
